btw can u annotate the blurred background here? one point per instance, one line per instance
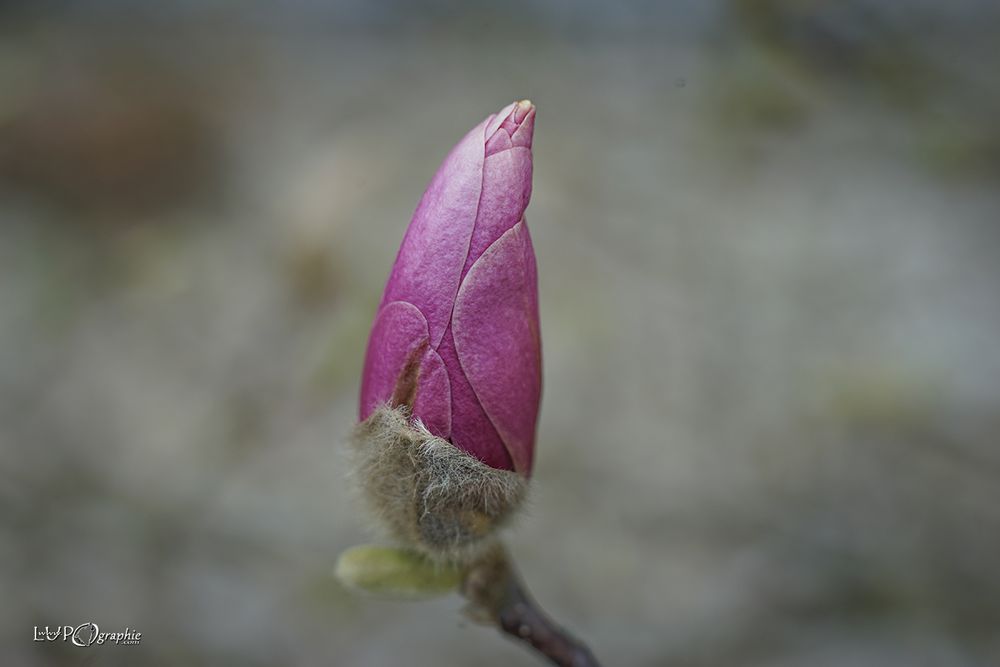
(768, 235)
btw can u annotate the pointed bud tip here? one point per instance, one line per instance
(513, 126)
(521, 109)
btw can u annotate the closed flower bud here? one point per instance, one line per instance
(452, 375)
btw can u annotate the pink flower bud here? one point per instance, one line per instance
(456, 337)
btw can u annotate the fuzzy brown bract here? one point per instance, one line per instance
(426, 492)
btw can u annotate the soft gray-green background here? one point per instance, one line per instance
(768, 236)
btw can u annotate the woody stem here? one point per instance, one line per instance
(497, 596)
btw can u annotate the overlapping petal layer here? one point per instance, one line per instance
(457, 334)
(495, 326)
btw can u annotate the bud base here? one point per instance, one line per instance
(429, 494)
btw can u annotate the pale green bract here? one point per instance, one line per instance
(394, 572)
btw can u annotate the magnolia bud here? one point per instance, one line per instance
(452, 375)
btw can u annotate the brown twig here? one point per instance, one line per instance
(498, 597)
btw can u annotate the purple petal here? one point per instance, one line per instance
(493, 123)
(526, 128)
(433, 403)
(506, 177)
(505, 194)
(472, 431)
(400, 332)
(496, 333)
(429, 265)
